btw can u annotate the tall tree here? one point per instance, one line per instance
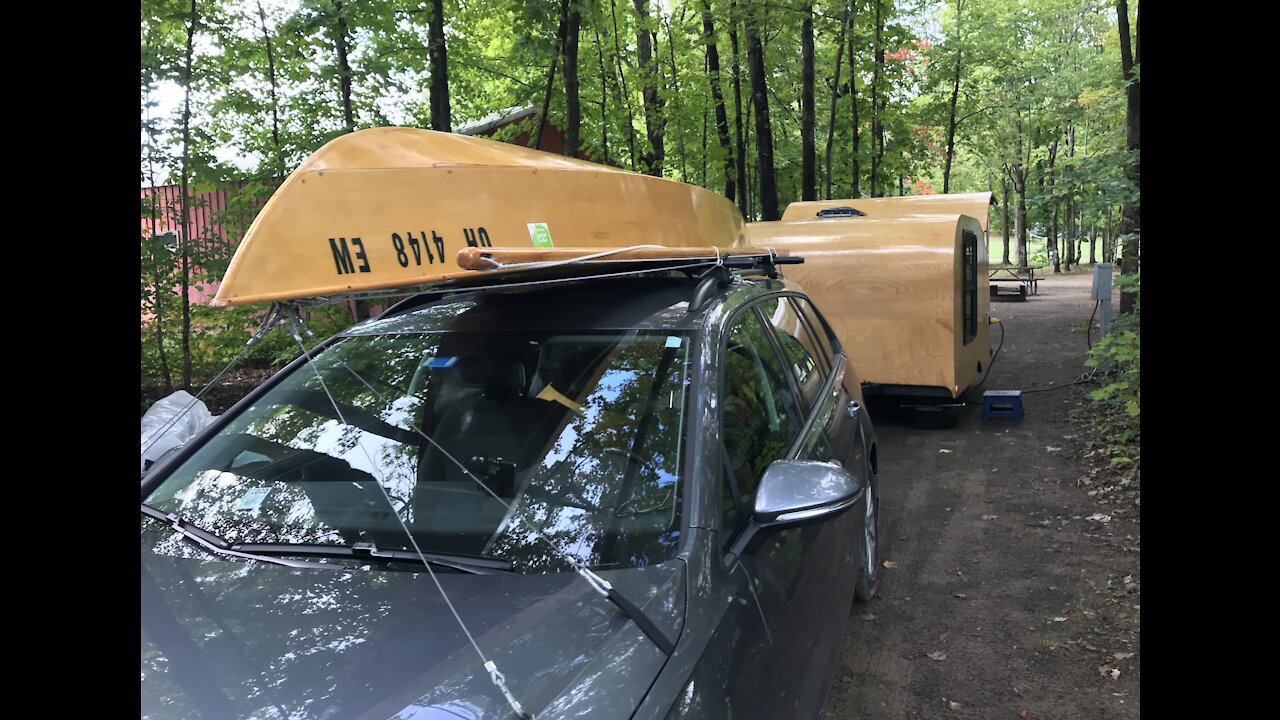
(764, 130)
(562, 28)
(185, 202)
(622, 81)
(573, 106)
(877, 116)
(1017, 171)
(339, 29)
(717, 98)
(1004, 216)
(440, 114)
(1131, 216)
(955, 96)
(1054, 254)
(740, 148)
(856, 191)
(675, 87)
(604, 100)
(653, 100)
(835, 95)
(275, 101)
(808, 159)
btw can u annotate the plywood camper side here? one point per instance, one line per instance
(891, 289)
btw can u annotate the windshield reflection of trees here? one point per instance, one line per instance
(606, 475)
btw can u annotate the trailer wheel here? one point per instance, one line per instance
(932, 417)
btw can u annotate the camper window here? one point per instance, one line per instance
(970, 287)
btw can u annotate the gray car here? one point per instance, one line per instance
(639, 497)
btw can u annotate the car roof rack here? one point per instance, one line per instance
(511, 268)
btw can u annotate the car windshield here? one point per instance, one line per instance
(534, 447)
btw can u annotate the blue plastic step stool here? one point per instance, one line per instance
(1002, 404)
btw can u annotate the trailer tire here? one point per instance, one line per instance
(932, 417)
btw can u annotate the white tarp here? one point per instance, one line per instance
(160, 433)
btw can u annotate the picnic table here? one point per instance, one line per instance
(1014, 273)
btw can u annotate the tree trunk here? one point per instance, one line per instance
(185, 203)
(1055, 257)
(1004, 220)
(157, 273)
(675, 87)
(835, 96)
(808, 151)
(764, 130)
(1021, 223)
(703, 183)
(877, 136)
(1108, 240)
(1131, 220)
(951, 116)
(740, 147)
(1093, 243)
(604, 101)
(1018, 174)
(717, 96)
(344, 66)
(853, 102)
(622, 82)
(1069, 216)
(275, 104)
(438, 55)
(653, 102)
(573, 103)
(562, 27)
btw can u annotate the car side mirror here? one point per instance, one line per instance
(794, 493)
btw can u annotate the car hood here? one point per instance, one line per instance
(230, 639)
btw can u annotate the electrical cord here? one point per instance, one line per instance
(999, 347)
(1080, 380)
(1088, 330)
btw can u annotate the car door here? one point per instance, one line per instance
(844, 424)
(819, 607)
(782, 662)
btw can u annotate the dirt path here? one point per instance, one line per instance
(1000, 574)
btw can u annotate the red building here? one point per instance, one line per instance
(203, 217)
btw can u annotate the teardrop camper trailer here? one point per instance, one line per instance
(902, 279)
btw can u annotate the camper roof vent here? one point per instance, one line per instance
(840, 212)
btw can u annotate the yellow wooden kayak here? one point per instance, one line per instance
(391, 207)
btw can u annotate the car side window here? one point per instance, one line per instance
(797, 345)
(759, 416)
(818, 331)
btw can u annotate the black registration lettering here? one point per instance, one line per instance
(476, 237)
(416, 246)
(439, 243)
(431, 260)
(364, 260)
(342, 256)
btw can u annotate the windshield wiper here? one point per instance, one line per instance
(368, 551)
(279, 553)
(217, 544)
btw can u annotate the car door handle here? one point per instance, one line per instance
(854, 408)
